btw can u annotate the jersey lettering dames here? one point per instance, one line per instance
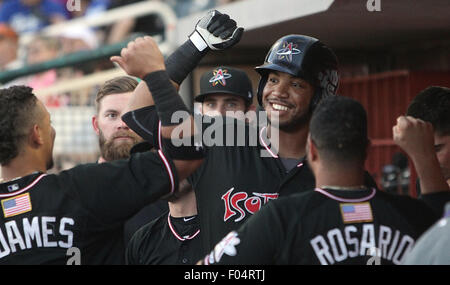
(328, 227)
(43, 215)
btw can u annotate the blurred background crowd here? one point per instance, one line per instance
(20, 17)
(25, 43)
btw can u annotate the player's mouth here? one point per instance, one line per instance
(123, 138)
(280, 106)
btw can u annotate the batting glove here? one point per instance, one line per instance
(216, 31)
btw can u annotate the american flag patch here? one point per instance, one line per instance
(356, 212)
(17, 205)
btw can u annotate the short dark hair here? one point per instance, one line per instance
(338, 128)
(432, 105)
(117, 85)
(18, 113)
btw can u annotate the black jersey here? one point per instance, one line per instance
(240, 173)
(143, 217)
(149, 212)
(46, 216)
(234, 182)
(166, 241)
(328, 227)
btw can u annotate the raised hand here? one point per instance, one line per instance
(414, 136)
(140, 57)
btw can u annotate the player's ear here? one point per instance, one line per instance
(95, 124)
(311, 150)
(35, 138)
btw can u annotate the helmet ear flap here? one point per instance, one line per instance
(328, 85)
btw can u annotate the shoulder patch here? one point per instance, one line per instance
(356, 212)
(17, 205)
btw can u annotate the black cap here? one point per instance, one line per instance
(225, 79)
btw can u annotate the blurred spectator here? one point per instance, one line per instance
(151, 24)
(43, 49)
(9, 43)
(89, 8)
(76, 39)
(31, 15)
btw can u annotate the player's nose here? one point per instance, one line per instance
(222, 109)
(122, 125)
(280, 90)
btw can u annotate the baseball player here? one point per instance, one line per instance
(424, 134)
(116, 140)
(174, 238)
(225, 89)
(342, 221)
(235, 181)
(45, 215)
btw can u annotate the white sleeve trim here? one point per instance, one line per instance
(169, 171)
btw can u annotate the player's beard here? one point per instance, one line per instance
(110, 150)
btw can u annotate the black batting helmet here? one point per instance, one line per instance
(304, 57)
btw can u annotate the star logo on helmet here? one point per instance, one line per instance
(220, 76)
(287, 51)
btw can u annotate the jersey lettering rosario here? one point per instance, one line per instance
(328, 227)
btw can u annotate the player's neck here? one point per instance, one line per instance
(185, 206)
(20, 167)
(291, 144)
(339, 177)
